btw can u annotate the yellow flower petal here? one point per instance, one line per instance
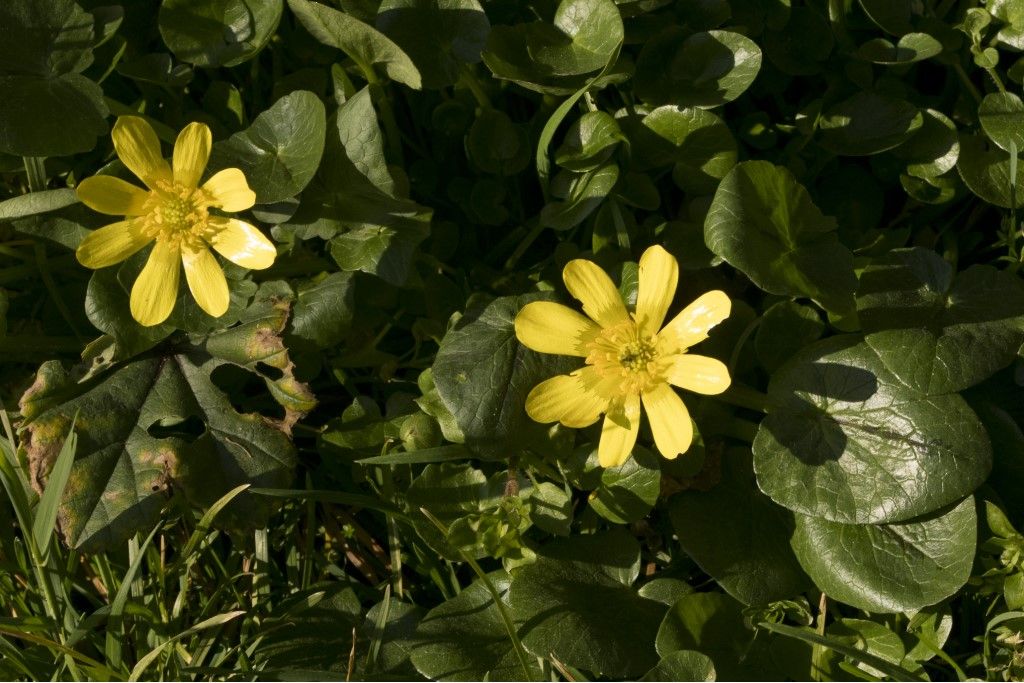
(110, 195)
(139, 148)
(154, 293)
(670, 421)
(243, 244)
(191, 152)
(592, 286)
(230, 191)
(206, 281)
(110, 244)
(548, 327)
(618, 434)
(569, 399)
(659, 275)
(692, 324)
(698, 373)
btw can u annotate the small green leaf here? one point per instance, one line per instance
(847, 441)
(709, 623)
(628, 492)
(1001, 116)
(763, 222)
(584, 38)
(934, 149)
(696, 142)
(890, 567)
(704, 69)
(218, 32)
(363, 43)
(913, 47)
(280, 152)
(589, 142)
(986, 170)
(868, 123)
(582, 194)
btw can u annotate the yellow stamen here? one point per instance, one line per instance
(177, 214)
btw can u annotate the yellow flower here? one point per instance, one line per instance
(629, 362)
(175, 213)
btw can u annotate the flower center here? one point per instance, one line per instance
(177, 214)
(626, 358)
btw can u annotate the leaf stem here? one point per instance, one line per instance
(745, 397)
(535, 230)
(472, 83)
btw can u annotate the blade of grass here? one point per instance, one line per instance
(115, 621)
(46, 511)
(147, 659)
(421, 457)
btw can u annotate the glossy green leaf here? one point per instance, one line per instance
(695, 142)
(763, 223)
(986, 170)
(913, 47)
(705, 69)
(218, 32)
(890, 567)
(934, 149)
(45, 48)
(464, 638)
(628, 492)
(583, 38)
(483, 375)
(367, 46)
(557, 601)
(280, 152)
(960, 329)
(1001, 116)
(846, 440)
(868, 123)
(581, 194)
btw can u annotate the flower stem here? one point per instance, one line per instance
(745, 397)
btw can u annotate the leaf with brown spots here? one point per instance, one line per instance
(157, 422)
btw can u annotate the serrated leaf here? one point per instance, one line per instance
(847, 441)
(890, 567)
(135, 439)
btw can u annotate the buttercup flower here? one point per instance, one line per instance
(629, 362)
(175, 213)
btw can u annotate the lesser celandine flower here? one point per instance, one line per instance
(175, 213)
(630, 358)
